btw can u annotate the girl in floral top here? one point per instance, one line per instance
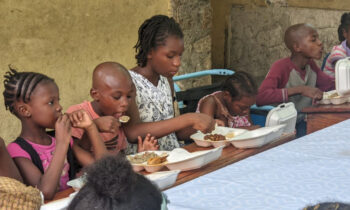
(159, 49)
(230, 107)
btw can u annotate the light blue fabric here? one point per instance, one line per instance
(305, 171)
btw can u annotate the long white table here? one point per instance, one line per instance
(309, 170)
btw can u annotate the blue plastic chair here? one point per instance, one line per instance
(258, 114)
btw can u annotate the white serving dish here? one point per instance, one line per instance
(181, 159)
(283, 114)
(258, 137)
(163, 179)
(342, 76)
(60, 204)
(328, 99)
(199, 137)
(148, 168)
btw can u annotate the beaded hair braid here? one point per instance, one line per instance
(19, 86)
(153, 33)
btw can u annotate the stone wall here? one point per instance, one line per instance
(255, 35)
(195, 18)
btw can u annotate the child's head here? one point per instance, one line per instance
(303, 39)
(112, 184)
(112, 89)
(240, 91)
(32, 97)
(344, 28)
(160, 45)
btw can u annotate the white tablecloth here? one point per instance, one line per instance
(308, 170)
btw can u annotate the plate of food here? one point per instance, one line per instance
(221, 136)
(332, 97)
(151, 161)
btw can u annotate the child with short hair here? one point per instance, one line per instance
(112, 92)
(296, 78)
(339, 51)
(42, 159)
(159, 48)
(111, 183)
(230, 107)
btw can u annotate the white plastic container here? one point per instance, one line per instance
(283, 114)
(329, 98)
(258, 137)
(199, 137)
(77, 183)
(163, 179)
(149, 168)
(342, 76)
(180, 159)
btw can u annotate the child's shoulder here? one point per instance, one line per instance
(16, 151)
(85, 105)
(281, 67)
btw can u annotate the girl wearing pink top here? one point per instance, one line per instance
(230, 107)
(42, 159)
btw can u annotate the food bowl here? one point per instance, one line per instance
(143, 165)
(225, 131)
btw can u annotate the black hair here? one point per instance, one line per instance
(344, 25)
(111, 183)
(153, 33)
(240, 84)
(20, 85)
(329, 206)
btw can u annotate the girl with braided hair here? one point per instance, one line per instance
(159, 49)
(339, 51)
(230, 107)
(45, 161)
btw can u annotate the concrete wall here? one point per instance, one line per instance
(66, 40)
(195, 18)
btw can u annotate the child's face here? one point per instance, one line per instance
(115, 97)
(310, 45)
(346, 34)
(166, 59)
(44, 104)
(241, 107)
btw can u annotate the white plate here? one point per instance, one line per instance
(148, 168)
(181, 159)
(199, 137)
(163, 179)
(327, 99)
(258, 137)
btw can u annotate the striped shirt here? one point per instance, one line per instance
(338, 52)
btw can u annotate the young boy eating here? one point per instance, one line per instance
(297, 78)
(112, 90)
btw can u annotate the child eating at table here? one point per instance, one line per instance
(297, 78)
(45, 161)
(339, 51)
(230, 107)
(112, 91)
(111, 183)
(159, 49)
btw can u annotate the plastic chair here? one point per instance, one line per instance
(188, 99)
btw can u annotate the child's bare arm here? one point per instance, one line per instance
(149, 143)
(81, 119)
(48, 182)
(7, 166)
(208, 106)
(108, 124)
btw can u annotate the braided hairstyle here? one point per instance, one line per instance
(240, 84)
(344, 25)
(153, 33)
(19, 86)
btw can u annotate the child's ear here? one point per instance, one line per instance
(150, 54)
(94, 94)
(296, 47)
(23, 110)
